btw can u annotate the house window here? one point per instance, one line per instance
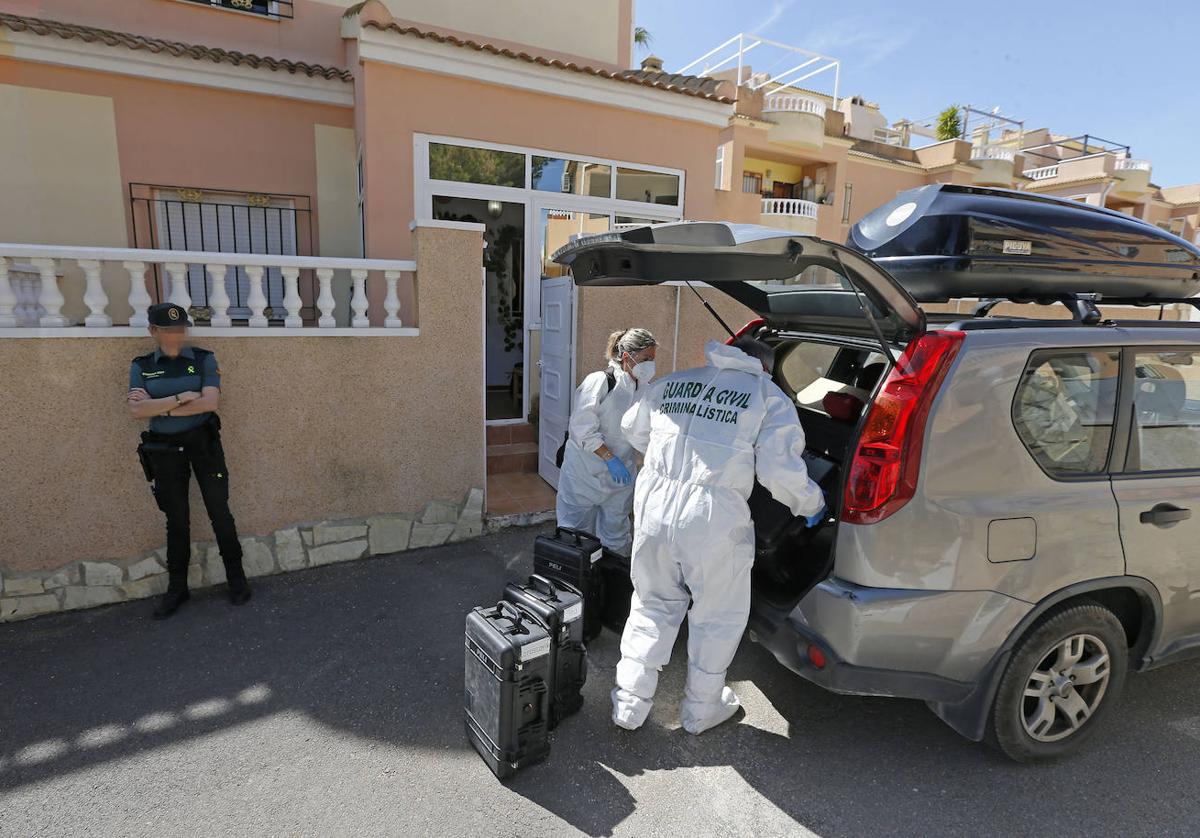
(847, 197)
(648, 187)
(719, 182)
(279, 9)
(752, 182)
(178, 218)
(467, 164)
(573, 177)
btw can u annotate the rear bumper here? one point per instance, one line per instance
(790, 645)
(936, 646)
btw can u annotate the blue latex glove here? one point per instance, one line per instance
(817, 517)
(619, 473)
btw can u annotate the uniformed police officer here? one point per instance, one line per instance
(177, 387)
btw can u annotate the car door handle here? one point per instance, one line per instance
(1163, 514)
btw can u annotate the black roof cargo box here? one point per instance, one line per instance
(944, 241)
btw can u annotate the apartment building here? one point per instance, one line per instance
(378, 187)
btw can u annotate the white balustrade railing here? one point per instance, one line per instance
(32, 291)
(1132, 164)
(793, 103)
(1042, 172)
(993, 152)
(789, 206)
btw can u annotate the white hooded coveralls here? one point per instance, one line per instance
(588, 497)
(706, 433)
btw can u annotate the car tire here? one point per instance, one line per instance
(1063, 678)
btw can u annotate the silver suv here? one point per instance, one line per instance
(1012, 497)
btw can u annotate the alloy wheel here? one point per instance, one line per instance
(1065, 688)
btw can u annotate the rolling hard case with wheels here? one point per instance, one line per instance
(507, 697)
(572, 556)
(618, 590)
(559, 608)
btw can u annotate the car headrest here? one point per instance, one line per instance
(1163, 392)
(868, 376)
(845, 407)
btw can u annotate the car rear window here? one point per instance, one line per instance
(809, 371)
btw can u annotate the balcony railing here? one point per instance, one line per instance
(267, 8)
(993, 152)
(1042, 172)
(789, 206)
(50, 262)
(1131, 164)
(793, 103)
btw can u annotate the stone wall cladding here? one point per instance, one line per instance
(87, 584)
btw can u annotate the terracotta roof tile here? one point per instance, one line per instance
(89, 34)
(701, 87)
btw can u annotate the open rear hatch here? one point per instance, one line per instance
(796, 284)
(793, 282)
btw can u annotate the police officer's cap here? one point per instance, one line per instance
(167, 314)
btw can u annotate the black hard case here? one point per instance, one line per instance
(559, 608)
(618, 591)
(507, 697)
(573, 557)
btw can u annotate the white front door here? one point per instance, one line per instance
(557, 371)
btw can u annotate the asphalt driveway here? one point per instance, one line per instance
(332, 705)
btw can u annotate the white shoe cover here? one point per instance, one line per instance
(629, 711)
(696, 721)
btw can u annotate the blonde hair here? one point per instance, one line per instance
(627, 341)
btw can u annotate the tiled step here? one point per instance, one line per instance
(513, 457)
(516, 494)
(509, 434)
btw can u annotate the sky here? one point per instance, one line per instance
(1127, 71)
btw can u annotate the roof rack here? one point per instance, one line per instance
(1084, 308)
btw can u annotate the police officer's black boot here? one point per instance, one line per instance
(239, 591)
(177, 594)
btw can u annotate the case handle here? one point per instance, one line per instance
(544, 585)
(577, 533)
(517, 614)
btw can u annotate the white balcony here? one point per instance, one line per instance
(994, 152)
(993, 165)
(793, 103)
(1130, 164)
(790, 214)
(1131, 178)
(39, 284)
(1042, 172)
(797, 120)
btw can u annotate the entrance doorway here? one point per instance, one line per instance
(504, 302)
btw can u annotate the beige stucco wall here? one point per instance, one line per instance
(314, 427)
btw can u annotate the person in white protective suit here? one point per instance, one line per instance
(595, 487)
(706, 433)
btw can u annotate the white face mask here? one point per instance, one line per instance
(643, 371)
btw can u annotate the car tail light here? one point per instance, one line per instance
(884, 468)
(816, 657)
(745, 330)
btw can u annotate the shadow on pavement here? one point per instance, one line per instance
(374, 649)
